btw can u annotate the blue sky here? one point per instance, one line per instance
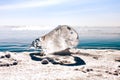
(55, 12)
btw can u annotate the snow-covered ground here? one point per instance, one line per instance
(82, 64)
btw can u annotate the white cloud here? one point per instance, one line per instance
(42, 27)
(30, 4)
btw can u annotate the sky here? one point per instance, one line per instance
(60, 12)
